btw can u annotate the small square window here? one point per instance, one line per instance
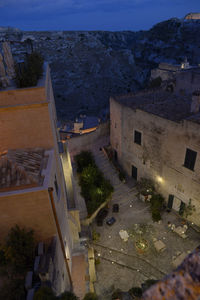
(137, 137)
(190, 159)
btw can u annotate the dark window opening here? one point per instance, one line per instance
(190, 158)
(56, 185)
(137, 137)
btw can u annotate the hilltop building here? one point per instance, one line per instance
(36, 182)
(192, 16)
(156, 134)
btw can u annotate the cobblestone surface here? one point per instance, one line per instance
(121, 264)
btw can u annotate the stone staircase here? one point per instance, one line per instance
(110, 173)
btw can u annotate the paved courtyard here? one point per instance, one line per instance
(122, 265)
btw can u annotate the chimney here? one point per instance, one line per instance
(195, 105)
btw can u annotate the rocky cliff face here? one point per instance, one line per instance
(88, 67)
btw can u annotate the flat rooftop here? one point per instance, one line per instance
(162, 103)
(22, 168)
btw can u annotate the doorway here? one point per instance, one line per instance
(134, 172)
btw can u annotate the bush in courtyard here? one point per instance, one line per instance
(157, 202)
(90, 296)
(91, 175)
(27, 74)
(83, 160)
(19, 248)
(146, 186)
(94, 187)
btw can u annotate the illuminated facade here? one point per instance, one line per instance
(36, 188)
(157, 135)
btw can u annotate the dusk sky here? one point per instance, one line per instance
(91, 14)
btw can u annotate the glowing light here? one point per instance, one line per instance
(159, 179)
(99, 254)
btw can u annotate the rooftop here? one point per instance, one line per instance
(22, 168)
(162, 103)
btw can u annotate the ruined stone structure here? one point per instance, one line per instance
(156, 134)
(192, 16)
(36, 183)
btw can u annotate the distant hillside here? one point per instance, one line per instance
(88, 67)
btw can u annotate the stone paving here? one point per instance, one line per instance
(122, 265)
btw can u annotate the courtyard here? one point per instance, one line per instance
(149, 250)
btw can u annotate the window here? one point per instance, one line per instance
(137, 137)
(190, 158)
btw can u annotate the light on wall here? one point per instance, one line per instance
(159, 179)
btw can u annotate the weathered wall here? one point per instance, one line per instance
(162, 153)
(85, 141)
(25, 127)
(30, 210)
(187, 81)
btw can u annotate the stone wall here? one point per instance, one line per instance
(161, 154)
(86, 141)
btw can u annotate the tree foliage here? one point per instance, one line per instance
(27, 74)
(94, 187)
(19, 248)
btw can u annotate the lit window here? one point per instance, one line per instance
(137, 137)
(190, 158)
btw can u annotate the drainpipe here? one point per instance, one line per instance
(50, 191)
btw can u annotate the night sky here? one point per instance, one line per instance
(91, 14)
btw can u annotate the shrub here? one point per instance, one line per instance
(19, 248)
(83, 160)
(146, 186)
(157, 202)
(28, 73)
(90, 296)
(94, 187)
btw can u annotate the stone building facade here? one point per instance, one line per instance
(192, 16)
(156, 134)
(36, 186)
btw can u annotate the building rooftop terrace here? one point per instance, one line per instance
(22, 168)
(162, 103)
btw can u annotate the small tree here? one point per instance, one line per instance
(19, 248)
(83, 160)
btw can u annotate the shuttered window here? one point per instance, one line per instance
(137, 137)
(190, 159)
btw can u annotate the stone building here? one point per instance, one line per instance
(192, 16)
(156, 134)
(36, 183)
